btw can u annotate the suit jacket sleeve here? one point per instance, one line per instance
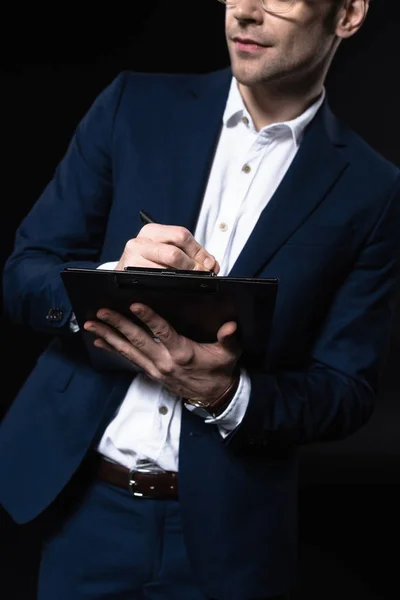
(65, 227)
(336, 394)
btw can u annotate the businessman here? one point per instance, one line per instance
(180, 482)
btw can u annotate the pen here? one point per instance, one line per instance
(146, 219)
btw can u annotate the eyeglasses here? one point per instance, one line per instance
(278, 7)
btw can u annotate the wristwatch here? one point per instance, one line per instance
(216, 406)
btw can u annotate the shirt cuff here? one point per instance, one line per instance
(73, 324)
(235, 411)
(110, 266)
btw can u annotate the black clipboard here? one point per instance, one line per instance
(195, 303)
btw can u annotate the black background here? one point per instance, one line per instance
(54, 62)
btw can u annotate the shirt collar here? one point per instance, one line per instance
(235, 111)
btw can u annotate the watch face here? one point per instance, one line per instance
(197, 403)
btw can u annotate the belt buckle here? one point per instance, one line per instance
(132, 481)
(132, 484)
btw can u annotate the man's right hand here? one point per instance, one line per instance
(166, 246)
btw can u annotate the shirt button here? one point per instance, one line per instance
(246, 168)
(223, 227)
(163, 410)
(245, 120)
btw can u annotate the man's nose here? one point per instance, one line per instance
(248, 10)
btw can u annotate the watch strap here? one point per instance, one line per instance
(216, 406)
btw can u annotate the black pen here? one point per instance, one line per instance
(146, 219)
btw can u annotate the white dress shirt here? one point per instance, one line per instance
(247, 168)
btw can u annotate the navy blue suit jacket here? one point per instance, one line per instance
(330, 234)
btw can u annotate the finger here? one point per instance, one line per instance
(139, 360)
(144, 252)
(100, 343)
(160, 328)
(138, 262)
(127, 338)
(183, 239)
(106, 337)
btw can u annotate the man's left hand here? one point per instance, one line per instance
(187, 368)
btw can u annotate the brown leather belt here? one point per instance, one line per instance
(143, 484)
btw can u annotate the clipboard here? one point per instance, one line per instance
(195, 303)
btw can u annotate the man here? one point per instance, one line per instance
(249, 174)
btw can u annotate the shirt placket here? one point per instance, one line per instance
(163, 413)
(242, 175)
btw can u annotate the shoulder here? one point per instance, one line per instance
(164, 86)
(142, 97)
(365, 159)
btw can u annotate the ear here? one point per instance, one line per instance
(351, 15)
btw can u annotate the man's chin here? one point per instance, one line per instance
(248, 78)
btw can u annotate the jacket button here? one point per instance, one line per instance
(54, 315)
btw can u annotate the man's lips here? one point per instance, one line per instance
(247, 44)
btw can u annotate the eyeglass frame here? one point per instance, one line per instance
(274, 12)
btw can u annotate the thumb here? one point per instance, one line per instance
(227, 336)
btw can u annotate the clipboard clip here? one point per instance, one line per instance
(167, 281)
(171, 271)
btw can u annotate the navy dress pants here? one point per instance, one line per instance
(109, 545)
(117, 547)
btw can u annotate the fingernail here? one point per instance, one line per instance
(209, 263)
(103, 315)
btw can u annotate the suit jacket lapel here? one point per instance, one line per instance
(313, 172)
(198, 124)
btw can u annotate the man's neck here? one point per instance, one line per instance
(273, 106)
